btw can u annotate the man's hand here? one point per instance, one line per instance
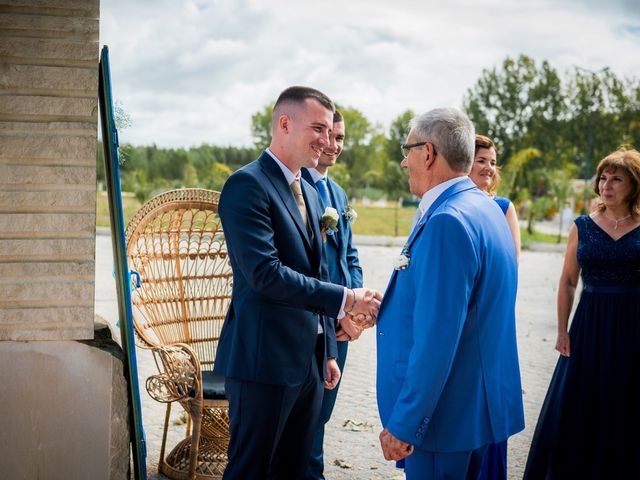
(333, 374)
(364, 321)
(363, 301)
(394, 448)
(348, 329)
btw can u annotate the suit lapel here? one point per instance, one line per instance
(313, 217)
(454, 189)
(307, 176)
(279, 182)
(336, 237)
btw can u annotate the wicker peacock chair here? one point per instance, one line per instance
(176, 248)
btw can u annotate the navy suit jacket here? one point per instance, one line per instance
(448, 378)
(342, 257)
(279, 288)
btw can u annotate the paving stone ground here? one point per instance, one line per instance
(351, 444)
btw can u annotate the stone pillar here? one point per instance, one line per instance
(63, 394)
(48, 124)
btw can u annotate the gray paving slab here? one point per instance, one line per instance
(351, 442)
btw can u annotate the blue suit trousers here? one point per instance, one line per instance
(423, 465)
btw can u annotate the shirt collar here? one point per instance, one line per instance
(288, 174)
(430, 196)
(315, 175)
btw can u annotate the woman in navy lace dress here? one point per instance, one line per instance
(486, 175)
(589, 425)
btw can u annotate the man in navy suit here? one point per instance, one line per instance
(344, 269)
(278, 344)
(448, 381)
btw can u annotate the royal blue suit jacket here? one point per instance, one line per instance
(342, 257)
(448, 376)
(279, 288)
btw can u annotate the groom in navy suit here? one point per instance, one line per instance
(448, 381)
(277, 347)
(344, 269)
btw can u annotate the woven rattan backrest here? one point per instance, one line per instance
(176, 244)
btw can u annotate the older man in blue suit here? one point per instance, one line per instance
(448, 380)
(276, 346)
(344, 269)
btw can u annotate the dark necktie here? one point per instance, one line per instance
(324, 192)
(297, 194)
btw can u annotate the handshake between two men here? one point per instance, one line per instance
(361, 310)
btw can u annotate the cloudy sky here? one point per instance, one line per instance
(193, 72)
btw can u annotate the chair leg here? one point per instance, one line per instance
(195, 442)
(164, 435)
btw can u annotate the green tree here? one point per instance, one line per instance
(560, 188)
(398, 131)
(189, 175)
(499, 103)
(394, 179)
(217, 175)
(363, 149)
(261, 127)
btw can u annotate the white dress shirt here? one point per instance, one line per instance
(430, 196)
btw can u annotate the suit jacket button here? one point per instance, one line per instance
(381, 334)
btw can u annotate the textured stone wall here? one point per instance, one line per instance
(48, 122)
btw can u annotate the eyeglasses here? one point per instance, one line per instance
(405, 148)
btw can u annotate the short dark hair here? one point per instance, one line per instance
(337, 117)
(297, 95)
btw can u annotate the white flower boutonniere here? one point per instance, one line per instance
(350, 214)
(329, 222)
(402, 261)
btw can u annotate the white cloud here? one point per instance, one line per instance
(195, 71)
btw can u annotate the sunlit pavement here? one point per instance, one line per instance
(351, 443)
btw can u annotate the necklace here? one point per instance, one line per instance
(615, 227)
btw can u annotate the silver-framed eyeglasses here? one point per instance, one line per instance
(405, 148)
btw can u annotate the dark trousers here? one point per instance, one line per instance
(272, 427)
(315, 469)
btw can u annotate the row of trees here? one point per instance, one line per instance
(147, 170)
(549, 128)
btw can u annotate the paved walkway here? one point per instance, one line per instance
(352, 447)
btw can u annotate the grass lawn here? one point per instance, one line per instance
(130, 204)
(538, 237)
(387, 221)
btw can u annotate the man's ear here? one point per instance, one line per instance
(284, 123)
(430, 156)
